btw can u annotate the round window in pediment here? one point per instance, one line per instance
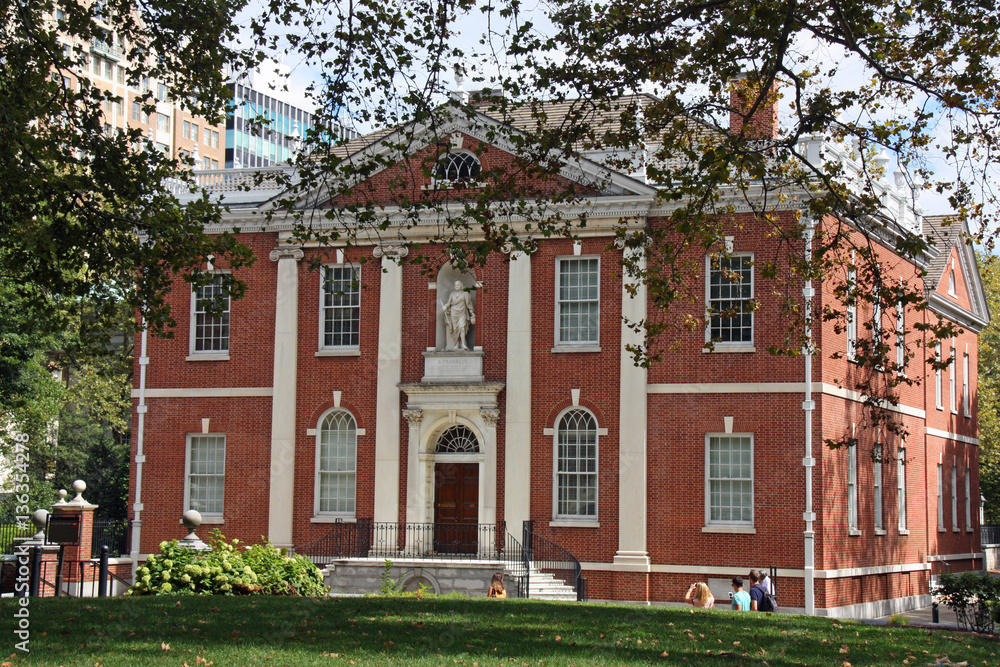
(457, 440)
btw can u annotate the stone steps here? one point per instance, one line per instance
(543, 586)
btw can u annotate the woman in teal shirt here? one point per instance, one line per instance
(741, 599)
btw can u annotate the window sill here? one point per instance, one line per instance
(573, 523)
(956, 530)
(563, 348)
(942, 530)
(904, 531)
(209, 520)
(880, 531)
(729, 349)
(207, 357)
(322, 518)
(854, 532)
(940, 408)
(736, 530)
(345, 352)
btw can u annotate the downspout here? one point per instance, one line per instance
(808, 462)
(140, 458)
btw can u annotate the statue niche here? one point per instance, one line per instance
(456, 322)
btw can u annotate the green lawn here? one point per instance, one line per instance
(228, 631)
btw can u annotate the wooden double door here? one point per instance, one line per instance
(456, 507)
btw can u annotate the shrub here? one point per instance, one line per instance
(974, 597)
(225, 570)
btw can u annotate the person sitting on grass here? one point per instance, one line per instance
(496, 589)
(700, 596)
(741, 599)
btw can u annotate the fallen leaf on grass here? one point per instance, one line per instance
(165, 646)
(664, 655)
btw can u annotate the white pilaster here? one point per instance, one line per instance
(488, 480)
(632, 433)
(286, 331)
(387, 412)
(416, 499)
(517, 450)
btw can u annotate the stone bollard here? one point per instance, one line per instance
(191, 520)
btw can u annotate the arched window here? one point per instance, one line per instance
(576, 464)
(457, 440)
(336, 463)
(457, 167)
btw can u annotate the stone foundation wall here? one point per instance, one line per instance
(358, 577)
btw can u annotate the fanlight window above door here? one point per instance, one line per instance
(457, 167)
(457, 440)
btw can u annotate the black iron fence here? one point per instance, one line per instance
(990, 534)
(365, 538)
(40, 577)
(547, 556)
(11, 530)
(112, 533)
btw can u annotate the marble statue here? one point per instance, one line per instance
(459, 313)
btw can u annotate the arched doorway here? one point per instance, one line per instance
(456, 491)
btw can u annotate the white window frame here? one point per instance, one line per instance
(968, 499)
(710, 268)
(318, 512)
(206, 516)
(877, 490)
(852, 489)
(940, 497)
(352, 348)
(852, 315)
(951, 283)
(952, 384)
(719, 523)
(900, 333)
(901, 490)
(589, 518)
(954, 495)
(938, 380)
(451, 157)
(577, 345)
(966, 403)
(215, 355)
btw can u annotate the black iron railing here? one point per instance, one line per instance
(11, 530)
(990, 534)
(378, 539)
(547, 556)
(112, 533)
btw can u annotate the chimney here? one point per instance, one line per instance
(743, 93)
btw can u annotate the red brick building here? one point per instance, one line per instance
(331, 395)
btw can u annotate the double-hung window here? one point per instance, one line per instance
(901, 490)
(578, 293)
(852, 314)
(966, 403)
(952, 383)
(336, 464)
(729, 477)
(730, 300)
(940, 496)
(340, 311)
(938, 391)
(968, 499)
(209, 327)
(576, 465)
(206, 475)
(852, 489)
(877, 489)
(954, 496)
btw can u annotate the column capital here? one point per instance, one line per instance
(491, 416)
(390, 250)
(413, 416)
(287, 252)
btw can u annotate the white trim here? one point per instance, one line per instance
(566, 523)
(934, 558)
(331, 518)
(952, 385)
(936, 432)
(556, 516)
(324, 350)
(852, 489)
(954, 494)
(726, 526)
(729, 528)
(966, 402)
(208, 355)
(901, 500)
(940, 497)
(206, 392)
(728, 570)
(318, 434)
(724, 348)
(772, 388)
(851, 312)
(878, 491)
(560, 345)
(727, 346)
(206, 517)
(938, 380)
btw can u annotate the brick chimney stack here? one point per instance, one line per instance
(743, 92)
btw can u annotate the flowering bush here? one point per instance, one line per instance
(226, 570)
